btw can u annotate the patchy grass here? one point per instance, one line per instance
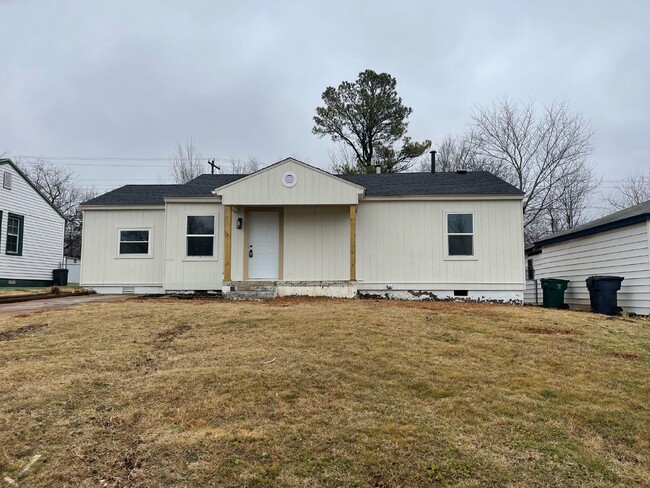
(6, 292)
(361, 393)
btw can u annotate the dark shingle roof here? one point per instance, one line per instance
(629, 216)
(395, 184)
(201, 186)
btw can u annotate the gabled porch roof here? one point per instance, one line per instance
(290, 182)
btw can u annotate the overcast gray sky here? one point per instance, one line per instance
(131, 78)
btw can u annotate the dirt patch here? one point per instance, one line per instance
(166, 337)
(25, 329)
(626, 355)
(549, 330)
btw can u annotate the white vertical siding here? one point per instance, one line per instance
(100, 262)
(403, 243)
(620, 252)
(43, 231)
(313, 187)
(192, 273)
(316, 243)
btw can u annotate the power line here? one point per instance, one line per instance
(110, 158)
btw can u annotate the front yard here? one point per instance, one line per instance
(306, 393)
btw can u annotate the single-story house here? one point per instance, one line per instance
(615, 245)
(32, 231)
(293, 229)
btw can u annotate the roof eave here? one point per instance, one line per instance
(636, 219)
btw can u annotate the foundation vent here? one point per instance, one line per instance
(128, 290)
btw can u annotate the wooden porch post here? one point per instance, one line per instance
(227, 234)
(353, 243)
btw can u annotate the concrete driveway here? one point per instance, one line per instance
(10, 309)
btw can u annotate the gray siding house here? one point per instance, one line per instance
(618, 245)
(31, 231)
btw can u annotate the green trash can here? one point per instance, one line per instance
(553, 290)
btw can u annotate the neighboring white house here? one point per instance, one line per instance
(31, 231)
(615, 245)
(297, 230)
(73, 265)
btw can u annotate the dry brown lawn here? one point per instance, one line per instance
(308, 393)
(6, 292)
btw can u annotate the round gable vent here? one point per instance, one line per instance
(289, 179)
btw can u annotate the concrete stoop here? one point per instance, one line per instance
(252, 291)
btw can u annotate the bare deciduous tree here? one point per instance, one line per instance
(240, 167)
(543, 155)
(633, 190)
(462, 153)
(59, 186)
(186, 162)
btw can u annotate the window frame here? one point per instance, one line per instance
(149, 253)
(454, 257)
(20, 235)
(214, 255)
(530, 269)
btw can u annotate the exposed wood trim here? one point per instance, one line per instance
(353, 243)
(227, 234)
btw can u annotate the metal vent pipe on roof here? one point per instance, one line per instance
(433, 161)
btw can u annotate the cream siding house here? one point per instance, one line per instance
(618, 245)
(293, 229)
(31, 231)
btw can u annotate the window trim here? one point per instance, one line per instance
(20, 235)
(451, 257)
(215, 251)
(149, 254)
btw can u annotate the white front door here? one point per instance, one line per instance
(263, 245)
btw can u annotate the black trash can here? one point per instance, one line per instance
(602, 293)
(60, 277)
(553, 292)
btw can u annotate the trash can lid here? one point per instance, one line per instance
(551, 280)
(603, 278)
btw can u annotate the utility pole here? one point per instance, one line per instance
(213, 166)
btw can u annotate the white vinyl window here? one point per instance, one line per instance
(134, 242)
(15, 229)
(200, 236)
(460, 234)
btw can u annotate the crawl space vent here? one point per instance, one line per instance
(289, 179)
(128, 290)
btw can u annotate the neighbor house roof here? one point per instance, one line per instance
(629, 216)
(30, 183)
(377, 185)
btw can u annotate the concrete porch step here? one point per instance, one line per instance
(252, 290)
(254, 285)
(250, 295)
